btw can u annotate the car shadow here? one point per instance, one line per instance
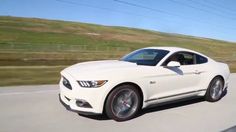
(176, 70)
(100, 117)
(156, 108)
(174, 104)
(231, 129)
(151, 109)
(170, 105)
(225, 92)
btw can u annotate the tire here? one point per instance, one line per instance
(215, 90)
(123, 103)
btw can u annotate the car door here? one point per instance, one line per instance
(176, 82)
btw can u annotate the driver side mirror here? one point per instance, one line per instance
(173, 64)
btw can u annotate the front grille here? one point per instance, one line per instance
(66, 83)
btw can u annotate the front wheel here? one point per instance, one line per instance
(215, 90)
(123, 103)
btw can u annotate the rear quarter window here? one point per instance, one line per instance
(200, 59)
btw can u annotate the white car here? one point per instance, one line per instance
(145, 77)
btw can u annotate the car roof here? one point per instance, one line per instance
(171, 49)
(176, 49)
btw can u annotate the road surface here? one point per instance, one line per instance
(37, 109)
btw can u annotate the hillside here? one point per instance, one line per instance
(37, 48)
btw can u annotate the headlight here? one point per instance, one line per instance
(92, 84)
(66, 83)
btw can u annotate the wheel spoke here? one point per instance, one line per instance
(118, 111)
(217, 83)
(128, 105)
(129, 94)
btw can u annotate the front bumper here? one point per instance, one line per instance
(68, 108)
(95, 97)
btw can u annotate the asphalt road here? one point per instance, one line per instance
(37, 109)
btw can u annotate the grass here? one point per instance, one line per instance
(21, 75)
(26, 42)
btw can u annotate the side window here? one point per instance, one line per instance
(200, 59)
(184, 58)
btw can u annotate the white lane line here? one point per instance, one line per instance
(29, 92)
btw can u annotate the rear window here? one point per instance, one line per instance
(200, 59)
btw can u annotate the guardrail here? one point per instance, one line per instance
(61, 47)
(73, 48)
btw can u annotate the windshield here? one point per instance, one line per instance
(149, 57)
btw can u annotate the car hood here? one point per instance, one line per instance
(98, 69)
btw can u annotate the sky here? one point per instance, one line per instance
(203, 18)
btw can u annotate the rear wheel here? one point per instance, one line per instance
(123, 103)
(215, 90)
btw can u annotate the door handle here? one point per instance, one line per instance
(197, 72)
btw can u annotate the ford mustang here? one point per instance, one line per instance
(145, 77)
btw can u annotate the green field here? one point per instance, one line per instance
(33, 51)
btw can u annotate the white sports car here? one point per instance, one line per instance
(148, 76)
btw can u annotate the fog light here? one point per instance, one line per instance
(83, 103)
